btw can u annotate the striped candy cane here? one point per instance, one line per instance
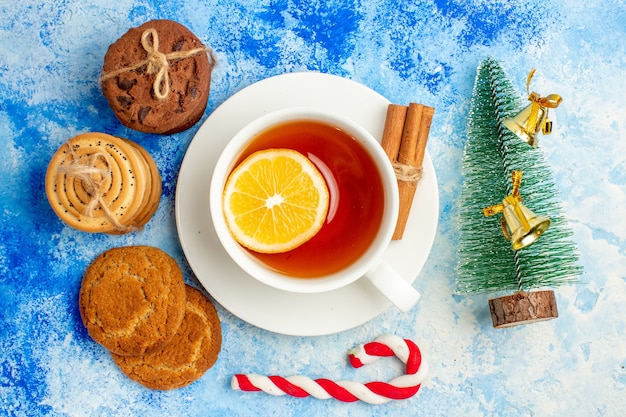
(399, 388)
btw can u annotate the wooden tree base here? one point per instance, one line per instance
(523, 308)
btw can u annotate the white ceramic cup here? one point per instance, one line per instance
(370, 265)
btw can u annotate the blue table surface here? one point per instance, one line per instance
(424, 51)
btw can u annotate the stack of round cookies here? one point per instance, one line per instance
(100, 183)
(161, 332)
(157, 77)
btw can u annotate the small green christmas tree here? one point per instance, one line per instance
(487, 262)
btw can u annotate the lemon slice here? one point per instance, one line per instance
(275, 200)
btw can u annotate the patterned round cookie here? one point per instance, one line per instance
(187, 356)
(132, 299)
(154, 192)
(156, 77)
(97, 183)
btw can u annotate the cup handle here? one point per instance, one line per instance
(393, 286)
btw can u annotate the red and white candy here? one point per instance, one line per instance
(399, 388)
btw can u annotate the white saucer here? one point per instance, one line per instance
(265, 307)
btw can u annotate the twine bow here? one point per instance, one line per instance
(158, 63)
(551, 101)
(514, 200)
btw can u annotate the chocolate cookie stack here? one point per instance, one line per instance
(100, 183)
(157, 77)
(160, 332)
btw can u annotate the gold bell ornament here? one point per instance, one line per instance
(534, 117)
(518, 223)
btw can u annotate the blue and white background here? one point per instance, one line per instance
(407, 50)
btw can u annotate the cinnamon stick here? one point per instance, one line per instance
(411, 147)
(410, 135)
(392, 133)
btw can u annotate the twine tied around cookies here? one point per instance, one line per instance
(87, 172)
(158, 62)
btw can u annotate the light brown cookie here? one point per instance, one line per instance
(156, 77)
(102, 184)
(132, 299)
(154, 193)
(192, 351)
(88, 173)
